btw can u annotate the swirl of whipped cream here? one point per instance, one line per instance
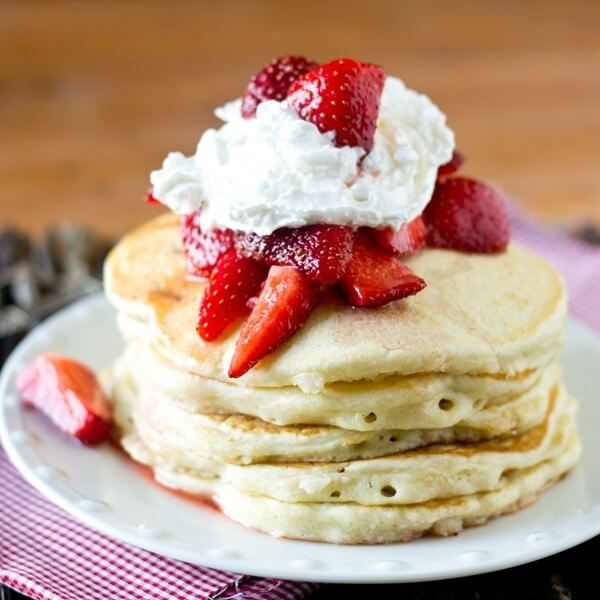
(277, 170)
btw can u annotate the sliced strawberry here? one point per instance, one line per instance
(376, 277)
(451, 167)
(233, 282)
(273, 81)
(341, 96)
(150, 199)
(465, 214)
(286, 301)
(203, 250)
(409, 238)
(320, 251)
(69, 394)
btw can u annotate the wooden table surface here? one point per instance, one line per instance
(93, 95)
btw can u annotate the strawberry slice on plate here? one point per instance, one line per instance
(203, 250)
(341, 96)
(409, 238)
(321, 252)
(69, 394)
(451, 167)
(467, 215)
(273, 81)
(375, 276)
(233, 282)
(285, 302)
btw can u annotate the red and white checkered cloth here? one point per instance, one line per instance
(44, 553)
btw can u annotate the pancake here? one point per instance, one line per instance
(356, 524)
(186, 438)
(425, 416)
(438, 489)
(427, 473)
(480, 314)
(423, 474)
(492, 404)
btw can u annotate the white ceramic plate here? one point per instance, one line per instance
(100, 487)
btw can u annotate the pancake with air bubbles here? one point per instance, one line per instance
(134, 389)
(480, 314)
(438, 489)
(187, 438)
(423, 401)
(356, 524)
(434, 472)
(419, 475)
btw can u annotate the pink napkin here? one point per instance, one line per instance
(44, 553)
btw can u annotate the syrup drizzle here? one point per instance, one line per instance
(204, 502)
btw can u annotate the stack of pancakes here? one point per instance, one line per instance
(427, 415)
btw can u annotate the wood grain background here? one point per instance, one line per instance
(93, 94)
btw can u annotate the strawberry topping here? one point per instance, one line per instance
(203, 250)
(406, 240)
(150, 199)
(451, 167)
(341, 96)
(286, 301)
(69, 394)
(279, 278)
(465, 214)
(273, 81)
(376, 277)
(321, 252)
(233, 282)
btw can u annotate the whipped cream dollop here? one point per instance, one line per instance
(277, 170)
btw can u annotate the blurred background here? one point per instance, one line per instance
(94, 94)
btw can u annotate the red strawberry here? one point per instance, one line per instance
(273, 81)
(465, 214)
(286, 301)
(233, 282)
(409, 238)
(376, 277)
(320, 251)
(203, 250)
(451, 167)
(150, 199)
(69, 394)
(341, 96)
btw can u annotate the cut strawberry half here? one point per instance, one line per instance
(233, 282)
(321, 252)
(69, 394)
(203, 250)
(285, 302)
(341, 96)
(409, 238)
(150, 199)
(467, 215)
(273, 81)
(376, 277)
(451, 167)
